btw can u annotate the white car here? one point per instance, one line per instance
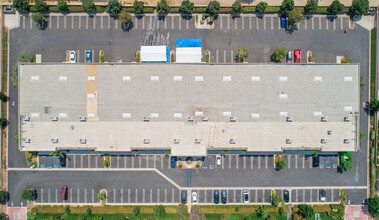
(194, 197)
(72, 56)
(218, 159)
(246, 196)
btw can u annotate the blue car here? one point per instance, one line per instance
(283, 21)
(88, 56)
(173, 162)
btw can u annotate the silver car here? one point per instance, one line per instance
(72, 56)
(289, 57)
(218, 159)
(246, 196)
(194, 197)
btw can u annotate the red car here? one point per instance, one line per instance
(64, 192)
(297, 56)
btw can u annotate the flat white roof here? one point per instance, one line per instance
(153, 54)
(188, 55)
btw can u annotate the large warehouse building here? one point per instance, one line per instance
(188, 108)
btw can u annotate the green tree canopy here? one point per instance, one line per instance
(102, 196)
(374, 105)
(3, 98)
(294, 16)
(182, 212)
(28, 194)
(138, 6)
(261, 212)
(306, 211)
(373, 206)
(162, 7)
(21, 5)
(241, 53)
(237, 7)
(186, 7)
(347, 166)
(359, 7)
(62, 5)
(3, 196)
(261, 7)
(41, 6)
(159, 211)
(125, 18)
(114, 6)
(311, 6)
(279, 54)
(89, 6)
(281, 164)
(213, 7)
(287, 6)
(38, 18)
(335, 8)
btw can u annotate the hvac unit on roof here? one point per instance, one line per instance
(197, 141)
(233, 141)
(26, 118)
(146, 141)
(346, 119)
(146, 118)
(205, 118)
(27, 140)
(329, 132)
(289, 119)
(54, 118)
(191, 119)
(346, 141)
(83, 141)
(323, 141)
(233, 119)
(82, 119)
(54, 140)
(288, 141)
(324, 119)
(176, 141)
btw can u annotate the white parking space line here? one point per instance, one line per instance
(143, 195)
(252, 162)
(70, 195)
(50, 22)
(162, 162)
(222, 162)
(151, 22)
(125, 164)
(96, 160)
(298, 25)
(334, 24)
(23, 22)
(118, 161)
(165, 23)
(140, 161)
(143, 22)
(297, 195)
(257, 24)
(249, 22)
(136, 22)
(303, 195)
(205, 196)
(94, 22)
(303, 162)
(168, 164)
(221, 22)
(244, 163)
(310, 163)
(327, 24)
(318, 193)
(319, 23)
(237, 161)
(278, 23)
(86, 22)
(136, 200)
(116, 24)
(154, 157)
(272, 22)
(85, 195)
(187, 23)
(147, 161)
(172, 195)
(151, 195)
(224, 56)
(158, 23)
(216, 56)
(230, 161)
(41, 195)
(234, 196)
(56, 195)
(235, 23)
(72, 22)
(74, 161)
(313, 24)
(231, 56)
(31, 23)
(165, 195)
(180, 23)
(132, 161)
(264, 22)
(89, 161)
(81, 160)
(310, 193)
(289, 161)
(243, 22)
(109, 22)
(228, 22)
(341, 23)
(93, 195)
(172, 22)
(263, 196)
(49, 197)
(305, 24)
(78, 195)
(80, 22)
(256, 196)
(101, 20)
(158, 196)
(266, 162)
(259, 162)
(295, 161)
(128, 195)
(332, 195)
(122, 195)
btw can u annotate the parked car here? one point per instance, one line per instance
(316, 161)
(297, 56)
(286, 196)
(216, 196)
(62, 161)
(88, 56)
(218, 159)
(194, 197)
(283, 22)
(173, 162)
(223, 197)
(72, 56)
(322, 195)
(64, 193)
(289, 57)
(184, 197)
(246, 196)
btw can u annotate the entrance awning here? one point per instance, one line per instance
(189, 150)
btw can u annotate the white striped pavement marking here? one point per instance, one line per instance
(101, 21)
(94, 22)
(23, 22)
(87, 22)
(31, 23)
(72, 22)
(272, 22)
(50, 22)
(136, 196)
(228, 22)
(264, 22)
(319, 23)
(80, 22)
(256, 23)
(109, 22)
(143, 22)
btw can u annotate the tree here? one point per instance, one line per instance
(237, 7)
(3, 122)
(21, 5)
(281, 164)
(294, 16)
(311, 6)
(89, 6)
(62, 5)
(373, 206)
(261, 212)
(196, 213)
(89, 211)
(287, 6)
(159, 211)
(136, 211)
(3, 97)
(213, 7)
(162, 7)
(261, 7)
(306, 211)
(279, 53)
(23, 57)
(102, 196)
(3, 196)
(114, 6)
(28, 194)
(67, 210)
(4, 217)
(138, 6)
(182, 213)
(359, 7)
(241, 53)
(335, 8)
(125, 18)
(14, 75)
(374, 105)
(186, 7)
(41, 6)
(347, 166)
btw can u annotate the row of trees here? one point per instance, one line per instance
(359, 7)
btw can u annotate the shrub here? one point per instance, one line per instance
(294, 16)
(237, 7)
(88, 6)
(102, 196)
(136, 211)
(41, 6)
(138, 6)
(198, 165)
(3, 97)
(89, 211)
(261, 7)
(3, 122)
(159, 211)
(138, 59)
(21, 5)
(172, 58)
(335, 8)
(279, 54)
(213, 7)
(3, 196)
(38, 18)
(62, 5)
(287, 6)
(306, 211)
(347, 166)
(105, 164)
(373, 206)
(102, 56)
(162, 7)
(28, 194)
(114, 6)
(207, 58)
(125, 18)
(359, 7)
(281, 164)
(186, 7)
(67, 210)
(241, 53)
(311, 6)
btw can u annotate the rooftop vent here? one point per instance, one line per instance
(283, 114)
(329, 132)
(346, 119)
(191, 119)
(126, 78)
(34, 115)
(227, 78)
(177, 115)
(233, 119)
(146, 118)
(82, 119)
(91, 115)
(176, 141)
(283, 96)
(34, 78)
(62, 115)
(348, 108)
(154, 78)
(91, 78)
(146, 141)
(26, 118)
(178, 78)
(255, 78)
(323, 141)
(289, 119)
(91, 96)
(154, 115)
(206, 118)
(226, 114)
(288, 141)
(126, 115)
(346, 141)
(233, 141)
(348, 79)
(283, 79)
(62, 78)
(197, 141)
(199, 114)
(254, 115)
(54, 140)
(324, 119)
(199, 78)
(317, 78)
(83, 141)
(27, 140)
(54, 118)
(317, 114)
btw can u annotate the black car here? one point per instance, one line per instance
(286, 196)
(316, 161)
(216, 196)
(184, 197)
(223, 196)
(62, 161)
